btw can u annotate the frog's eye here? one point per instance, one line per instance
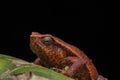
(47, 40)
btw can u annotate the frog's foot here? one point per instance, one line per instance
(101, 78)
(37, 61)
(77, 68)
(77, 65)
(58, 70)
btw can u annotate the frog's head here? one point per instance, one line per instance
(40, 42)
(45, 46)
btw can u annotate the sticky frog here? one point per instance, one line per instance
(56, 54)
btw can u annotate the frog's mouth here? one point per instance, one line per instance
(35, 44)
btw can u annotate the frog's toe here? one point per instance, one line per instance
(101, 78)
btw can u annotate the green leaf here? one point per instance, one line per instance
(40, 71)
(18, 66)
(4, 64)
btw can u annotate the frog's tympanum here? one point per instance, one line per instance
(56, 54)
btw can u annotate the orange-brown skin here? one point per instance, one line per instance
(54, 53)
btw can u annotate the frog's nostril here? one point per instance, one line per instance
(35, 33)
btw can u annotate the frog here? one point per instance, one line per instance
(56, 54)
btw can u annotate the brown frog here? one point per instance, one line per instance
(54, 53)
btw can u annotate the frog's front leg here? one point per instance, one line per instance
(77, 68)
(37, 61)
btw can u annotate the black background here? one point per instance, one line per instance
(82, 27)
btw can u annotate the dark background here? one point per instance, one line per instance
(82, 27)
